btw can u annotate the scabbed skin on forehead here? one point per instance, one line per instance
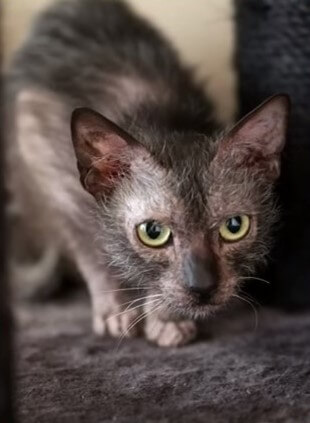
(193, 185)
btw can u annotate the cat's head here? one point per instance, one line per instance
(184, 216)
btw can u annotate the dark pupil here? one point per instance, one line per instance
(234, 224)
(153, 230)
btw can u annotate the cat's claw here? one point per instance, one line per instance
(170, 334)
(116, 325)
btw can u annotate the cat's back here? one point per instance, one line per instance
(100, 54)
(77, 46)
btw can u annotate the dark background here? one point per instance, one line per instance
(273, 56)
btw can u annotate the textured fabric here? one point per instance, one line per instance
(237, 374)
(273, 55)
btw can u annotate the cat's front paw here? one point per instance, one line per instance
(170, 333)
(122, 325)
(111, 319)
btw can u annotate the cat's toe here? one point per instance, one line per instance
(99, 325)
(117, 325)
(170, 334)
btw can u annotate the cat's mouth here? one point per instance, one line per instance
(199, 305)
(203, 298)
(192, 306)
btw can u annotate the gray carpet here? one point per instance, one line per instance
(235, 374)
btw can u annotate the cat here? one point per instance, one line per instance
(164, 213)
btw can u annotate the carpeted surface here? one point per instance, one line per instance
(237, 374)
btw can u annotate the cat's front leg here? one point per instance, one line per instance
(114, 311)
(169, 333)
(115, 315)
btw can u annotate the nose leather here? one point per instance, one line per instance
(199, 276)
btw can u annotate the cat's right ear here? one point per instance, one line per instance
(103, 150)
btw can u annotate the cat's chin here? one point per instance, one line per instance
(186, 306)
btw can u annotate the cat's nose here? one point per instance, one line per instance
(200, 278)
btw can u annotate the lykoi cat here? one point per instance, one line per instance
(163, 212)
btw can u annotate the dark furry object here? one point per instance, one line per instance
(273, 55)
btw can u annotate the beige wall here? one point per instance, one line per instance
(202, 31)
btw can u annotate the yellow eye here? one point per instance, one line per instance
(153, 234)
(235, 228)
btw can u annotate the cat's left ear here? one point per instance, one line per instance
(103, 150)
(259, 138)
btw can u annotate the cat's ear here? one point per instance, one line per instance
(103, 150)
(258, 139)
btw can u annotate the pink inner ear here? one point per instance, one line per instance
(265, 135)
(108, 163)
(107, 144)
(262, 132)
(96, 146)
(104, 174)
(102, 150)
(258, 139)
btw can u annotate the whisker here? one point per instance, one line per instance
(255, 278)
(144, 314)
(131, 309)
(153, 311)
(153, 325)
(123, 289)
(252, 306)
(139, 319)
(147, 297)
(249, 297)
